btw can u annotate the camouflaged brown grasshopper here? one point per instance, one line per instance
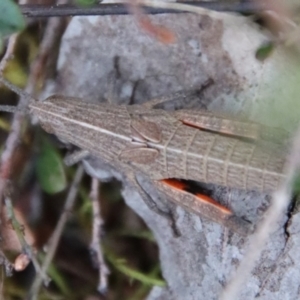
(184, 144)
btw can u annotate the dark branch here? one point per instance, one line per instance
(34, 11)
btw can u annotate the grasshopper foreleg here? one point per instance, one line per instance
(76, 157)
(152, 205)
(181, 96)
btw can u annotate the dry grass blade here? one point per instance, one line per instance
(95, 245)
(278, 207)
(33, 294)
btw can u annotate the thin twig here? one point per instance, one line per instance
(33, 294)
(13, 139)
(95, 245)
(20, 234)
(7, 56)
(7, 264)
(9, 51)
(17, 126)
(175, 6)
(14, 136)
(46, 11)
(278, 207)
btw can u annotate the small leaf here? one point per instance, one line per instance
(50, 169)
(59, 280)
(121, 265)
(264, 51)
(86, 2)
(296, 186)
(15, 73)
(11, 18)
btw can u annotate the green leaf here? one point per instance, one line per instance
(142, 234)
(60, 281)
(86, 2)
(264, 51)
(50, 169)
(121, 265)
(57, 278)
(11, 18)
(296, 185)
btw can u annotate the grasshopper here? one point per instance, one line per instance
(164, 145)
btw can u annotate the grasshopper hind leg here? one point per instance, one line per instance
(152, 205)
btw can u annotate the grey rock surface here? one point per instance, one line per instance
(111, 57)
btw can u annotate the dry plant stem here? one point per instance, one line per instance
(1, 284)
(278, 207)
(53, 32)
(95, 245)
(36, 11)
(5, 157)
(14, 137)
(20, 234)
(33, 294)
(175, 6)
(18, 119)
(7, 56)
(7, 264)
(9, 51)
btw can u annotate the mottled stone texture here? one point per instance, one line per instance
(110, 57)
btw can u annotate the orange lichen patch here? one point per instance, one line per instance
(211, 201)
(161, 33)
(174, 183)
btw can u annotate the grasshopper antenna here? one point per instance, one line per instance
(18, 91)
